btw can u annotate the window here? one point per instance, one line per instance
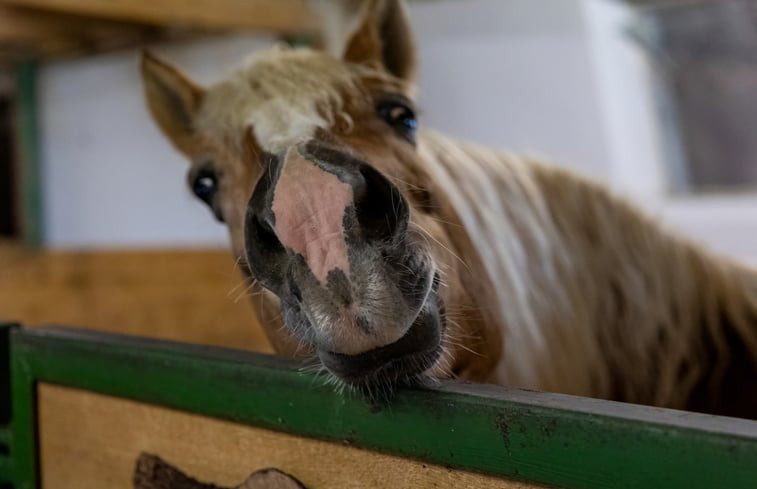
(705, 59)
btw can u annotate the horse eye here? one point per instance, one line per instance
(205, 186)
(400, 117)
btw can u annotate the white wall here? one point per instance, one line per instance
(551, 78)
(514, 74)
(625, 91)
(109, 176)
(726, 223)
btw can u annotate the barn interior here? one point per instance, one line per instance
(99, 229)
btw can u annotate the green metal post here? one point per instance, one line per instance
(26, 143)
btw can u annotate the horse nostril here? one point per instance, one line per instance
(265, 253)
(295, 290)
(359, 185)
(381, 209)
(265, 232)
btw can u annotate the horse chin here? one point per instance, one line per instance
(376, 373)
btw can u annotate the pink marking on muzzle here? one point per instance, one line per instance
(309, 205)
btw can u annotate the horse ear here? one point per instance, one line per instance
(384, 38)
(173, 99)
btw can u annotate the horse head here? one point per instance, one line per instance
(312, 163)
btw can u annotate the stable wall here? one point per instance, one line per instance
(112, 180)
(553, 78)
(194, 296)
(109, 176)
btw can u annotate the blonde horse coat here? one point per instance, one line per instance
(594, 297)
(549, 282)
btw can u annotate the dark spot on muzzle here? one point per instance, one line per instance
(339, 286)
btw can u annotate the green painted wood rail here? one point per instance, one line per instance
(551, 439)
(5, 406)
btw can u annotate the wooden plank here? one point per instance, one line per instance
(91, 440)
(536, 437)
(286, 16)
(25, 28)
(35, 33)
(196, 296)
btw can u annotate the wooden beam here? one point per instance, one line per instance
(32, 33)
(551, 439)
(283, 16)
(193, 296)
(26, 33)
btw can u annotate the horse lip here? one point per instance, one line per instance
(413, 353)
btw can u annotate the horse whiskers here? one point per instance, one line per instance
(320, 373)
(396, 179)
(248, 284)
(427, 235)
(462, 346)
(248, 291)
(447, 223)
(458, 332)
(241, 260)
(302, 344)
(234, 289)
(459, 335)
(311, 365)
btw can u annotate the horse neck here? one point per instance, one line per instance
(512, 237)
(582, 284)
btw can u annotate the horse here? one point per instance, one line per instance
(393, 255)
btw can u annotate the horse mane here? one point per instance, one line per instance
(594, 298)
(271, 88)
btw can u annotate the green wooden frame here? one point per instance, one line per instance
(5, 407)
(27, 148)
(543, 438)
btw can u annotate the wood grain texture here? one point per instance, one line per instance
(192, 296)
(91, 440)
(270, 15)
(44, 34)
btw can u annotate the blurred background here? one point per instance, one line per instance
(98, 228)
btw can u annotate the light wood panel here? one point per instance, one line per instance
(41, 33)
(289, 16)
(44, 29)
(90, 440)
(193, 296)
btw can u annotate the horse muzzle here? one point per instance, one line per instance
(398, 362)
(328, 234)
